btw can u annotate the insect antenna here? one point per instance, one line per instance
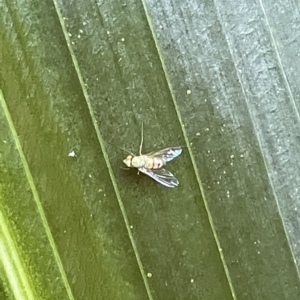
(124, 168)
(142, 138)
(127, 151)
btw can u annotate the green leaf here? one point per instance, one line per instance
(78, 80)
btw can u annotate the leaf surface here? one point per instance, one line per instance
(78, 80)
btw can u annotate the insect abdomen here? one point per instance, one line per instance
(153, 163)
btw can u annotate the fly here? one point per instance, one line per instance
(152, 164)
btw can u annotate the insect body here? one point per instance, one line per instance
(151, 164)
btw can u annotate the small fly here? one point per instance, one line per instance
(151, 164)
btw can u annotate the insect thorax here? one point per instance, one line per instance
(138, 161)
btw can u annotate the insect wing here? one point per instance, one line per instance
(162, 176)
(167, 154)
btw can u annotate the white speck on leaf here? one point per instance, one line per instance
(72, 153)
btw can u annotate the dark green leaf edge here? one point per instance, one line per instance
(17, 264)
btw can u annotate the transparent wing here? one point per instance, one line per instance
(166, 154)
(162, 176)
